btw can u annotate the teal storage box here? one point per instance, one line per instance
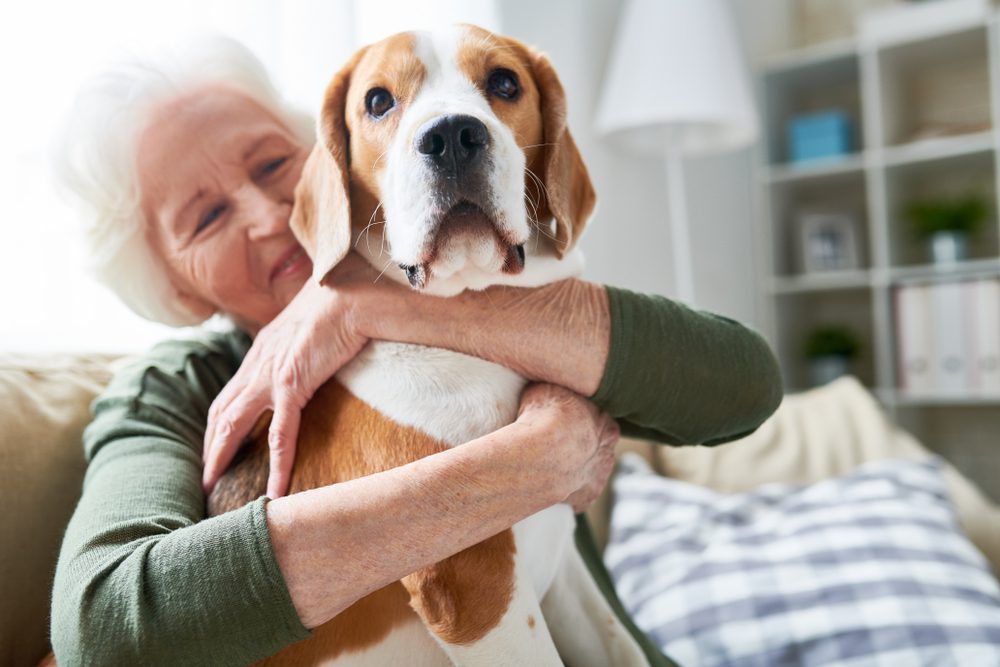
(824, 134)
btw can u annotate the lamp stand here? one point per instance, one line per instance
(679, 234)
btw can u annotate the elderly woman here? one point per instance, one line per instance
(186, 169)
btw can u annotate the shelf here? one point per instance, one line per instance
(819, 282)
(949, 176)
(818, 55)
(939, 82)
(926, 273)
(938, 148)
(945, 87)
(810, 81)
(930, 40)
(905, 400)
(819, 168)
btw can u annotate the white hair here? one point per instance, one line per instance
(94, 158)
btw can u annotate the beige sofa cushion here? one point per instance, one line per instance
(44, 405)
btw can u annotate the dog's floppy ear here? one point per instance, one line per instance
(321, 216)
(569, 191)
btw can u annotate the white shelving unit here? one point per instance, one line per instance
(879, 87)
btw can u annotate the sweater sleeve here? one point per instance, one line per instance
(141, 578)
(681, 376)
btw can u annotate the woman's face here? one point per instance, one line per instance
(217, 175)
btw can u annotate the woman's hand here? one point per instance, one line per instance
(581, 439)
(299, 350)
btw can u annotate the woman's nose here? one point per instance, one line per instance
(266, 213)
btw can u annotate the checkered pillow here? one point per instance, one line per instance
(866, 569)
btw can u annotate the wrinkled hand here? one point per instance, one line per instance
(581, 439)
(291, 357)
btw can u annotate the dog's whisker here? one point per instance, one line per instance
(536, 145)
(365, 232)
(533, 205)
(380, 156)
(537, 180)
(535, 200)
(382, 271)
(541, 185)
(542, 230)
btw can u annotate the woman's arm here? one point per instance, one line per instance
(670, 373)
(142, 579)
(391, 524)
(667, 372)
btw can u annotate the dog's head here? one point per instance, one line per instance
(446, 155)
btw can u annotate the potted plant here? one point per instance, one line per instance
(829, 350)
(947, 224)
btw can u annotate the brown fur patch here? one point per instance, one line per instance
(393, 65)
(342, 438)
(479, 54)
(465, 596)
(363, 624)
(538, 119)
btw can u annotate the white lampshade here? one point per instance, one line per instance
(677, 76)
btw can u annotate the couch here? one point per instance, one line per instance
(45, 405)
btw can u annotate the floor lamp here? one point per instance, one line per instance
(677, 86)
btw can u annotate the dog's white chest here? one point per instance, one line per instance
(449, 396)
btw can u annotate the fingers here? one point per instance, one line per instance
(600, 466)
(236, 388)
(231, 427)
(281, 443)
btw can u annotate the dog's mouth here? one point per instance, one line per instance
(466, 233)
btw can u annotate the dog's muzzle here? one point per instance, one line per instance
(458, 158)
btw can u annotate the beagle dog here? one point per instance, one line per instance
(457, 140)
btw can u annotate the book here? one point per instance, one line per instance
(913, 340)
(984, 299)
(951, 336)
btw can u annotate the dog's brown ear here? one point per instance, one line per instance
(321, 216)
(570, 193)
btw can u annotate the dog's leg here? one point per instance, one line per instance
(482, 608)
(586, 630)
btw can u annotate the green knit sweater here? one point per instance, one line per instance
(144, 578)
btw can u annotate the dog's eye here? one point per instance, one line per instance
(503, 83)
(378, 102)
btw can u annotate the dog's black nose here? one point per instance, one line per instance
(453, 143)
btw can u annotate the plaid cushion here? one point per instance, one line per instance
(866, 569)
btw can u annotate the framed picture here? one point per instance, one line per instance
(828, 242)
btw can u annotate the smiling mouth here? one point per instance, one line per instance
(290, 263)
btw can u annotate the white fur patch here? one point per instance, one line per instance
(449, 396)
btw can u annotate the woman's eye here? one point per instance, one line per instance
(378, 101)
(211, 216)
(273, 166)
(503, 83)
